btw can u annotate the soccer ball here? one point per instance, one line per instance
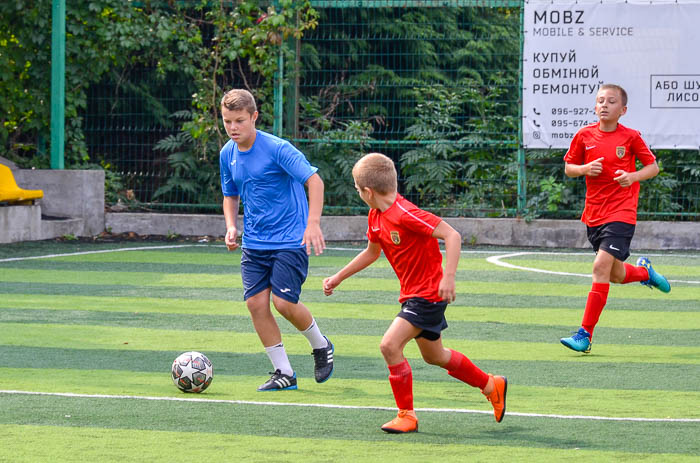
(192, 372)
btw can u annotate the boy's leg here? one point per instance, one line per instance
(283, 376)
(289, 270)
(255, 273)
(627, 273)
(323, 349)
(263, 321)
(597, 298)
(400, 375)
(460, 367)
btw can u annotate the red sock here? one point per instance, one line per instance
(594, 306)
(463, 369)
(401, 379)
(634, 273)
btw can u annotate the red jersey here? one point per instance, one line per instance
(606, 200)
(405, 234)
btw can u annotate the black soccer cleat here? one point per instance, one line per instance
(323, 362)
(279, 382)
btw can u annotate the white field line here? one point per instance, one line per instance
(358, 249)
(172, 246)
(101, 251)
(496, 260)
(349, 407)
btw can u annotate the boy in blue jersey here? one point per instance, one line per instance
(279, 229)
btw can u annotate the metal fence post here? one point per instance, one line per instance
(58, 83)
(522, 167)
(278, 92)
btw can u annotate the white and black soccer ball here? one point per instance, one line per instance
(192, 372)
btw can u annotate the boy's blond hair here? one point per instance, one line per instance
(620, 90)
(375, 171)
(238, 99)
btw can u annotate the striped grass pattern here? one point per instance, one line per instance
(88, 333)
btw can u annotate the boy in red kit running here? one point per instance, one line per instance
(408, 236)
(605, 153)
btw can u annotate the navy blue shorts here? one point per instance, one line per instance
(613, 238)
(429, 316)
(283, 270)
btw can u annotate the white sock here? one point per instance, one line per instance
(313, 334)
(279, 359)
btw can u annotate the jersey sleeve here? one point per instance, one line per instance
(294, 162)
(372, 236)
(577, 151)
(228, 186)
(420, 221)
(641, 150)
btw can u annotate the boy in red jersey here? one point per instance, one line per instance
(605, 153)
(408, 236)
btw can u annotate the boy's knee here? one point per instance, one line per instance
(258, 302)
(389, 349)
(283, 306)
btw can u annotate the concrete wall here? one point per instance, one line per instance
(78, 197)
(165, 224)
(499, 232)
(74, 194)
(20, 223)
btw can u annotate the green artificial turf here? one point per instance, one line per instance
(108, 325)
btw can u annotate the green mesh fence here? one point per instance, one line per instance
(432, 84)
(122, 128)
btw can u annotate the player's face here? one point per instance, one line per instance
(608, 105)
(240, 127)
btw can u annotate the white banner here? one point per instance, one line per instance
(652, 50)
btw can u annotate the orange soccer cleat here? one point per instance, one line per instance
(405, 421)
(497, 397)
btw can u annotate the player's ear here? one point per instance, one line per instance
(254, 116)
(624, 111)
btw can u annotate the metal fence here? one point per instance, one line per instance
(435, 85)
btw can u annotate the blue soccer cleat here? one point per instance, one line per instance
(656, 280)
(279, 382)
(580, 341)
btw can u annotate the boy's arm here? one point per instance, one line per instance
(626, 179)
(361, 261)
(592, 169)
(313, 234)
(230, 206)
(453, 246)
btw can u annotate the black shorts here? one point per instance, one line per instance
(421, 313)
(613, 238)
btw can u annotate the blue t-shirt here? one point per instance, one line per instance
(270, 179)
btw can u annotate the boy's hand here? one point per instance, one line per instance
(313, 236)
(230, 238)
(594, 168)
(329, 285)
(447, 290)
(623, 178)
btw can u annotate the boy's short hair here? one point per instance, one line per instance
(375, 171)
(623, 93)
(238, 99)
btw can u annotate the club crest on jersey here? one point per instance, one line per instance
(620, 151)
(395, 238)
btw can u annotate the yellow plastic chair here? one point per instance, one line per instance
(11, 193)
